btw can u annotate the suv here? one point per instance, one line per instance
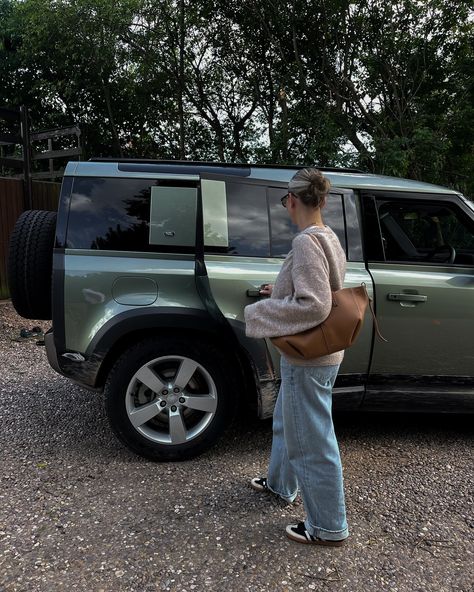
(154, 262)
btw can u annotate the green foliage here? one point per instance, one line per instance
(385, 86)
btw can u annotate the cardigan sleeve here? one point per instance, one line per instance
(308, 305)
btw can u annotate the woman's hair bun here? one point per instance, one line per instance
(320, 183)
(311, 186)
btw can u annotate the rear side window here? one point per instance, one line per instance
(235, 217)
(115, 214)
(282, 229)
(248, 219)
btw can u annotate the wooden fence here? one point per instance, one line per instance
(45, 196)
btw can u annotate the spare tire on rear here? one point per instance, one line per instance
(30, 264)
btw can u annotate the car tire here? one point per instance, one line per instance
(170, 399)
(30, 264)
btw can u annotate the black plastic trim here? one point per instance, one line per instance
(223, 176)
(138, 319)
(179, 169)
(223, 165)
(63, 212)
(58, 310)
(373, 245)
(414, 381)
(445, 394)
(351, 380)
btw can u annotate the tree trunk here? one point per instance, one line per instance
(181, 82)
(284, 124)
(108, 104)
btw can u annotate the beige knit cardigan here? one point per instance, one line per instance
(301, 297)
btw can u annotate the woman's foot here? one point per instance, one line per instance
(260, 484)
(298, 533)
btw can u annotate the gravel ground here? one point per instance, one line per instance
(80, 512)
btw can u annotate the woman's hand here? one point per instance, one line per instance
(266, 289)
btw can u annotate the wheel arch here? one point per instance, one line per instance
(134, 326)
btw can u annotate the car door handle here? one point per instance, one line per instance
(407, 297)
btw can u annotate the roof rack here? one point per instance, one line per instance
(221, 164)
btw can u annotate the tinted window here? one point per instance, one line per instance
(426, 232)
(112, 214)
(247, 208)
(247, 220)
(283, 231)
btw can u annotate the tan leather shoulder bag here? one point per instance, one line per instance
(338, 332)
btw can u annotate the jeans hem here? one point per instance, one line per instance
(289, 499)
(326, 535)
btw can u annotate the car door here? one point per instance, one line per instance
(423, 272)
(247, 234)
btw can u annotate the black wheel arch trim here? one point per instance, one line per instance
(137, 319)
(89, 373)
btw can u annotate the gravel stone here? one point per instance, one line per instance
(79, 512)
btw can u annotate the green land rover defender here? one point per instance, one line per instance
(147, 266)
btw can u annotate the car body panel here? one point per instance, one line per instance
(92, 296)
(421, 333)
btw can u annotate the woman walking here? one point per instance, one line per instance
(305, 453)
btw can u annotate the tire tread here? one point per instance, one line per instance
(30, 264)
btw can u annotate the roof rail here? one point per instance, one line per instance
(234, 165)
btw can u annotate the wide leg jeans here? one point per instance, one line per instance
(305, 454)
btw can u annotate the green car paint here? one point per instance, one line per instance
(98, 286)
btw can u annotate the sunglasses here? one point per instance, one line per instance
(284, 199)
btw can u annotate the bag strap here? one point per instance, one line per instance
(374, 318)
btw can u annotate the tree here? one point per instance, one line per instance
(383, 86)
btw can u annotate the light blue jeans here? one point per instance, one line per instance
(305, 454)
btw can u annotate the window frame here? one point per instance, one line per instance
(371, 202)
(353, 244)
(153, 182)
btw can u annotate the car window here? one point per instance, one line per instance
(257, 224)
(235, 217)
(282, 229)
(426, 232)
(114, 214)
(247, 215)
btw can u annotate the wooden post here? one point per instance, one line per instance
(51, 162)
(25, 138)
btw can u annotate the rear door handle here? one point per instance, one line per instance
(407, 297)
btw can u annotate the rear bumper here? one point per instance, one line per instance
(73, 365)
(51, 351)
